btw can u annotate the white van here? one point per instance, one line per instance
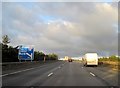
(90, 59)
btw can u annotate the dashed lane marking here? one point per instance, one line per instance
(92, 74)
(59, 67)
(50, 74)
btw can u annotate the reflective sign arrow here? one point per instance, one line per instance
(29, 54)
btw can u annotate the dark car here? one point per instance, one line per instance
(69, 60)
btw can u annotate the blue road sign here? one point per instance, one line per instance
(26, 53)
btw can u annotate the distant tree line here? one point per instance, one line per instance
(38, 56)
(111, 58)
(10, 53)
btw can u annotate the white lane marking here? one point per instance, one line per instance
(20, 71)
(59, 67)
(55, 69)
(92, 74)
(16, 72)
(50, 74)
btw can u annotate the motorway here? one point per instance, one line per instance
(62, 73)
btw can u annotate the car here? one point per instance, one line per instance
(69, 60)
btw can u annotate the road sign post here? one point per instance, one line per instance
(44, 58)
(19, 47)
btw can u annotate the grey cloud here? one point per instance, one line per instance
(77, 28)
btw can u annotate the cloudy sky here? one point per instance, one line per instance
(64, 28)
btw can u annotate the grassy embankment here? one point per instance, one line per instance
(112, 62)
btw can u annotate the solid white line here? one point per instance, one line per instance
(20, 71)
(92, 74)
(50, 74)
(16, 72)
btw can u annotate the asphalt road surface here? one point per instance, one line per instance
(61, 73)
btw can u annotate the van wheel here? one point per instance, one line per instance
(95, 66)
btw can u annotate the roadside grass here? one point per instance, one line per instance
(113, 62)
